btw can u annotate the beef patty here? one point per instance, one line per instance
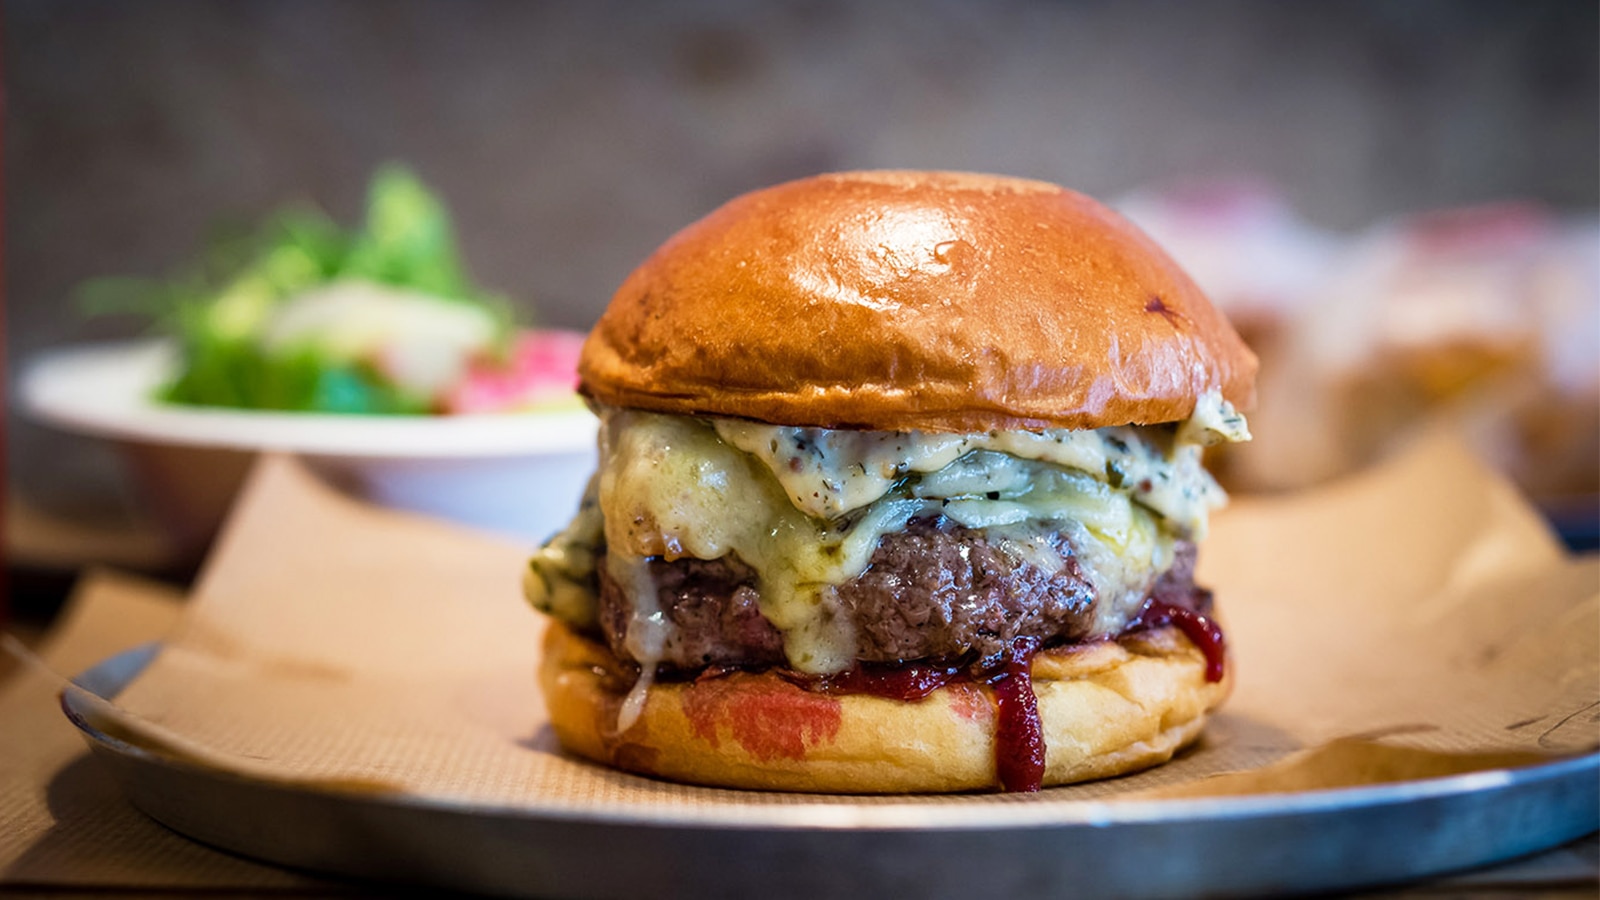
(935, 590)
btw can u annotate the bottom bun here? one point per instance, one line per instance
(1106, 708)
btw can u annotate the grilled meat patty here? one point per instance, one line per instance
(935, 590)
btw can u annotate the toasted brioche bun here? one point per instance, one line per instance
(1106, 707)
(935, 301)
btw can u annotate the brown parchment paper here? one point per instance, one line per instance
(1417, 619)
(63, 820)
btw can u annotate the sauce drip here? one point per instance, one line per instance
(1019, 736)
(908, 682)
(1019, 751)
(1199, 629)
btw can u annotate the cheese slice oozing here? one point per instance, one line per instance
(805, 508)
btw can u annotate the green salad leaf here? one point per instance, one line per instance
(220, 308)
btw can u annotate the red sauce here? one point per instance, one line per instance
(770, 720)
(1019, 736)
(908, 682)
(1019, 749)
(1199, 629)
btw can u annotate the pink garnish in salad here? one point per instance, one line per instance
(541, 372)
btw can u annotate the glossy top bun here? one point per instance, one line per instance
(936, 301)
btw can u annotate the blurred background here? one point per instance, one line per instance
(569, 139)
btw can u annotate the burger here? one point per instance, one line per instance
(900, 488)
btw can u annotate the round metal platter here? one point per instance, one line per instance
(1258, 845)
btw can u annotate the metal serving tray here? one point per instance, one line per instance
(1270, 844)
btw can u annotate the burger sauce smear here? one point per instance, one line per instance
(1019, 751)
(908, 683)
(1019, 736)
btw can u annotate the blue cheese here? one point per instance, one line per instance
(806, 508)
(827, 473)
(1214, 422)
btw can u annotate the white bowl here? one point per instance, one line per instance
(520, 474)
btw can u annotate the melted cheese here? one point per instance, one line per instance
(805, 508)
(558, 577)
(826, 473)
